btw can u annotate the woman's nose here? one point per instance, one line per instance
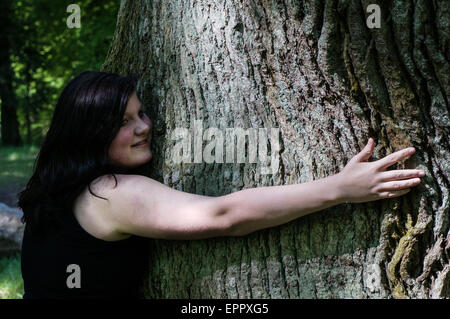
(144, 127)
(150, 123)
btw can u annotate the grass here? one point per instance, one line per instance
(11, 283)
(16, 167)
(16, 164)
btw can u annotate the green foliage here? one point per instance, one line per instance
(17, 164)
(46, 54)
(11, 283)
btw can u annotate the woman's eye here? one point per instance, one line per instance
(124, 122)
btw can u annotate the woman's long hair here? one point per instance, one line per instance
(86, 119)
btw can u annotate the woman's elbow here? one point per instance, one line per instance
(232, 224)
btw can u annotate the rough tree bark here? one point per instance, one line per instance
(9, 122)
(316, 71)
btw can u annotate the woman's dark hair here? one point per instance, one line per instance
(86, 119)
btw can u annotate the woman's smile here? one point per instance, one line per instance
(141, 143)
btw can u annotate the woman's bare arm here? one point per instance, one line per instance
(141, 206)
(360, 181)
(263, 207)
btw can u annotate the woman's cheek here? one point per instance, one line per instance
(125, 138)
(120, 146)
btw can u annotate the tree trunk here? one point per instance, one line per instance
(316, 71)
(28, 102)
(9, 123)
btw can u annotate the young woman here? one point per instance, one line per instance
(88, 212)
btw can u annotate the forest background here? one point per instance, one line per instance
(39, 55)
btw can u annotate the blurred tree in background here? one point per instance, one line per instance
(40, 55)
(9, 126)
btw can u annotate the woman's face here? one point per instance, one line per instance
(131, 146)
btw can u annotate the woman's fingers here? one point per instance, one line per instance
(398, 185)
(401, 174)
(393, 158)
(392, 194)
(366, 152)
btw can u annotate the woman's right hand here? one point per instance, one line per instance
(364, 181)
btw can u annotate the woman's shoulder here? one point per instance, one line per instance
(91, 211)
(115, 183)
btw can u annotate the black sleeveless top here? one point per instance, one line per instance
(71, 263)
